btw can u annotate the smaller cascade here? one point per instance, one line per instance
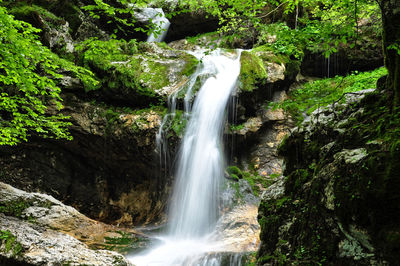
(157, 17)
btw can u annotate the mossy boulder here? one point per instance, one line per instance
(252, 71)
(137, 73)
(262, 65)
(263, 73)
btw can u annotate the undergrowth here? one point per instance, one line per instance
(315, 94)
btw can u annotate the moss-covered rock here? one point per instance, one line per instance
(263, 65)
(137, 74)
(252, 71)
(340, 192)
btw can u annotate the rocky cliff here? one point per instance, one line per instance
(337, 203)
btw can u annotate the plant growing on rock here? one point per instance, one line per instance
(10, 242)
(29, 94)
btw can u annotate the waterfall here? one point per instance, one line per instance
(194, 204)
(162, 25)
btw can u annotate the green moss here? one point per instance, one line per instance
(256, 181)
(175, 124)
(292, 69)
(10, 243)
(252, 71)
(363, 191)
(190, 66)
(234, 172)
(14, 208)
(126, 71)
(234, 128)
(29, 12)
(393, 168)
(140, 123)
(267, 53)
(297, 179)
(207, 39)
(318, 93)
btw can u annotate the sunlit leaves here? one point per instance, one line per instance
(121, 14)
(29, 96)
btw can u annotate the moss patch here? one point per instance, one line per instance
(252, 72)
(257, 182)
(136, 72)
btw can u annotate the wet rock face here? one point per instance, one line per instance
(39, 230)
(335, 204)
(345, 61)
(190, 24)
(259, 137)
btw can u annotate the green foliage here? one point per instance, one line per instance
(10, 242)
(319, 93)
(283, 40)
(28, 77)
(233, 15)
(121, 15)
(323, 26)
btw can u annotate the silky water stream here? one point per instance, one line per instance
(196, 232)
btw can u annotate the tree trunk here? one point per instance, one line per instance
(391, 45)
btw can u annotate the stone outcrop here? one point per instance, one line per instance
(37, 229)
(336, 204)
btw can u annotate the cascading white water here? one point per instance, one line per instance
(194, 204)
(195, 199)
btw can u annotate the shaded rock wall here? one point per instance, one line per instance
(109, 171)
(336, 205)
